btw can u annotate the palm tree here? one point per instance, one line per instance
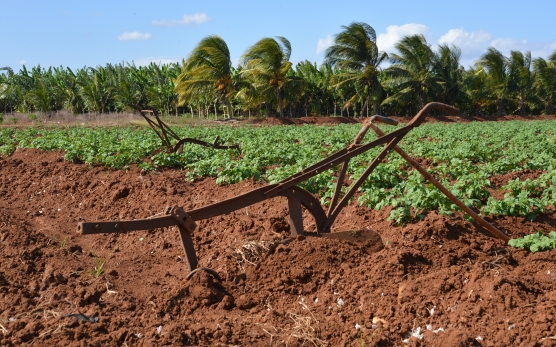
(125, 87)
(495, 65)
(160, 89)
(447, 67)
(313, 92)
(67, 90)
(96, 89)
(356, 53)
(545, 82)
(207, 68)
(266, 64)
(412, 75)
(521, 78)
(42, 94)
(476, 90)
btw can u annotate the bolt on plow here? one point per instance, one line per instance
(298, 197)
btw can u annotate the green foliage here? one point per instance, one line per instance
(464, 157)
(33, 117)
(63, 242)
(208, 71)
(357, 56)
(13, 120)
(100, 262)
(266, 65)
(146, 166)
(352, 80)
(537, 242)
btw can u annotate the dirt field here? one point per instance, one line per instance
(437, 282)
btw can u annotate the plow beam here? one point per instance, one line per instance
(297, 197)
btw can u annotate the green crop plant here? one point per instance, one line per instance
(63, 242)
(464, 157)
(100, 262)
(537, 242)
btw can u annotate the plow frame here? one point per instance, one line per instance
(296, 196)
(165, 133)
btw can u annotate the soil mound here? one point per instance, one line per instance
(441, 281)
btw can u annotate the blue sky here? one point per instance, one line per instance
(90, 33)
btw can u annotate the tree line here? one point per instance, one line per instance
(350, 82)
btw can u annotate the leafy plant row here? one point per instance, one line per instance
(537, 242)
(464, 157)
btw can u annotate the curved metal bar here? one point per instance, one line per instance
(258, 195)
(214, 145)
(424, 112)
(332, 216)
(382, 119)
(162, 130)
(207, 269)
(310, 203)
(356, 141)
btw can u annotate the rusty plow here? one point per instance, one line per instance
(297, 197)
(165, 133)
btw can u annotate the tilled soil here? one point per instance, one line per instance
(441, 281)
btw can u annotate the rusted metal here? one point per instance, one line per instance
(296, 216)
(297, 197)
(164, 133)
(183, 219)
(223, 207)
(207, 269)
(215, 144)
(188, 248)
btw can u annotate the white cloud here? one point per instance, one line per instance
(22, 62)
(386, 41)
(323, 44)
(508, 44)
(474, 41)
(156, 60)
(538, 49)
(134, 36)
(197, 18)
(472, 44)
(475, 44)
